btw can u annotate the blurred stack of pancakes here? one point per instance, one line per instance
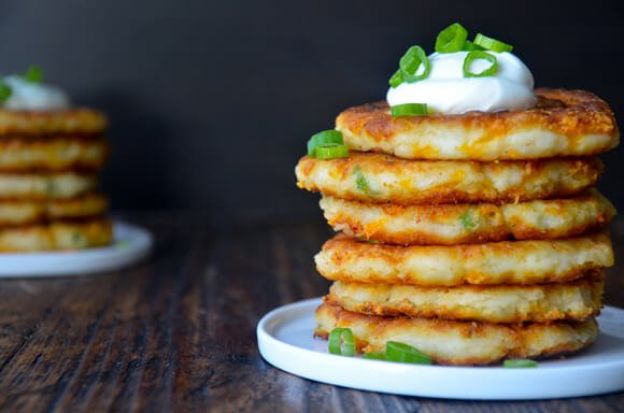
(473, 237)
(49, 161)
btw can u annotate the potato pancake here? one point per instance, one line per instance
(57, 236)
(54, 154)
(563, 123)
(576, 300)
(77, 120)
(460, 342)
(450, 224)
(45, 186)
(508, 262)
(15, 212)
(372, 177)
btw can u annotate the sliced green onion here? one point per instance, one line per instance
(375, 355)
(323, 138)
(409, 109)
(479, 55)
(466, 221)
(469, 46)
(341, 342)
(405, 353)
(331, 151)
(519, 363)
(451, 39)
(34, 74)
(360, 181)
(5, 92)
(492, 44)
(411, 62)
(396, 79)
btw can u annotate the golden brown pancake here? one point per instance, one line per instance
(460, 342)
(15, 213)
(45, 186)
(450, 224)
(77, 120)
(576, 300)
(53, 154)
(57, 236)
(563, 123)
(507, 262)
(372, 177)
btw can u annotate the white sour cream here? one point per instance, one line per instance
(34, 96)
(447, 91)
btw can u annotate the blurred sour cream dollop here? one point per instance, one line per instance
(34, 96)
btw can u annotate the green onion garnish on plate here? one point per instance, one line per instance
(375, 355)
(492, 44)
(404, 353)
(451, 39)
(479, 55)
(341, 342)
(519, 363)
(414, 65)
(409, 109)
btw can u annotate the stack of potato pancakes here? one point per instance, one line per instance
(473, 237)
(48, 180)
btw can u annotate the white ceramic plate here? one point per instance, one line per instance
(130, 245)
(285, 340)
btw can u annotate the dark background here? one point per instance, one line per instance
(211, 102)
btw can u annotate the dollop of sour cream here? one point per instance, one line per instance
(447, 91)
(34, 96)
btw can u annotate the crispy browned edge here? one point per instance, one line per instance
(468, 329)
(365, 248)
(75, 120)
(592, 167)
(568, 112)
(44, 216)
(100, 230)
(593, 282)
(78, 165)
(500, 233)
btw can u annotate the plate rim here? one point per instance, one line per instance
(48, 263)
(270, 346)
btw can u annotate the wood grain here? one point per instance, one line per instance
(177, 333)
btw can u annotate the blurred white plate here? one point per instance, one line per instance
(285, 340)
(130, 245)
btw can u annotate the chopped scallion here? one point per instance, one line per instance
(492, 44)
(5, 92)
(470, 46)
(396, 79)
(331, 151)
(451, 39)
(519, 363)
(323, 138)
(342, 342)
(375, 355)
(405, 353)
(414, 65)
(476, 55)
(409, 109)
(466, 221)
(34, 74)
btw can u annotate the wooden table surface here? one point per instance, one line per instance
(178, 331)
